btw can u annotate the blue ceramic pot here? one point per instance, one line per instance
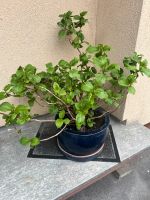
(83, 146)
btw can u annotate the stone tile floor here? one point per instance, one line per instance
(135, 186)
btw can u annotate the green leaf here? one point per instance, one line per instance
(69, 98)
(22, 109)
(56, 87)
(74, 74)
(84, 59)
(100, 78)
(31, 101)
(100, 61)
(146, 71)
(53, 109)
(74, 61)
(87, 87)
(30, 69)
(24, 141)
(61, 114)
(78, 126)
(101, 93)
(80, 35)
(7, 87)
(18, 89)
(66, 121)
(20, 72)
(80, 118)
(63, 64)
(2, 95)
(35, 141)
(109, 101)
(135, 57)
(50, 68)
(62, 92)
(68, 14)
(106, 48)
(5, 106)
(13, 116)
(130, 67)
(92, 49)
(90, 122)
(76, 17)
(83, 13)
(42, 87)
(43, 74)
(22, 119)
(131, 79)
(144, 63)
(76, 43)
(62, 33)
(36, 79)
(78, 106)
(123, 82)
(113, 66)
(59, 123)
(131, 90)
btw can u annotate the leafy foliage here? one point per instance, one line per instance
(70, 25)
(72, 89)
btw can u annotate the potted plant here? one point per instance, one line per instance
(74, 91)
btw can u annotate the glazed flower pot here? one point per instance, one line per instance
(84, 146)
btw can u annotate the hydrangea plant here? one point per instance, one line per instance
(73, 89)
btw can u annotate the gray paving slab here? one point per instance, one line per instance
(25, 178)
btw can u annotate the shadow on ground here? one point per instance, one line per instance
(135, 186)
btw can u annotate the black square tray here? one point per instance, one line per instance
(49, 149)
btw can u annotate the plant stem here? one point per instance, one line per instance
(46, 120)
(54, 95)
(100, 115)
(54, 135)
(70, 113)
(77, 48)
(1, 113)
(60, 101)
(79, 51)
(109, 111)
(44, 100)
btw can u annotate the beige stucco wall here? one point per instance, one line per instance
(28, 33)
(138, 105)
(117, 26)
(125, 25)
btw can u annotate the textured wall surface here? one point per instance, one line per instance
(117, 26)
(28, 33)
(138, 105)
